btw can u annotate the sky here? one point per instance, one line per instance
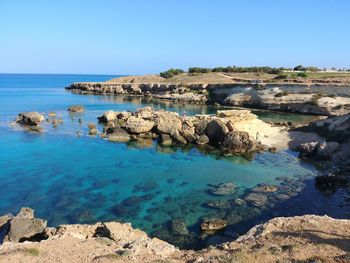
(149, 36)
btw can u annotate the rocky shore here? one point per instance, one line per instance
(306, 238)
(319, 99)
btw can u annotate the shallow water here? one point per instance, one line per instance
(71, 179)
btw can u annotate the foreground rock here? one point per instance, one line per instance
(30, 118)
(233, 131)
(25, 227)
(306, 238)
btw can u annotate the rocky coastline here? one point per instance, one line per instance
(318, 99)
(307, 238)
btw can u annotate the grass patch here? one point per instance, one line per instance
(32, 252)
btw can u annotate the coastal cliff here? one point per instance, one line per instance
(319, 98)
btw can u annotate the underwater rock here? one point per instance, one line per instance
(52, 114)
(146, 186)
(211, 225)
(265, 189)
(76, 109)
(30, 118)
(223, 189)
(219, 204)
(178, 227)
(256, 199)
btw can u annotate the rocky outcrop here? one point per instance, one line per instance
(30, 118)
(24, 226)
(76, 109)
(295, 239)
(318, 150)
(225, 130)
(312, 99)
(335, 128)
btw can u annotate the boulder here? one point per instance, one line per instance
(76, 109)
(108, 116)
(189, 134)
(216, 131)
(308, 149)
(201, 139)
(124, 115)
(138, 125)
(118, 135)
(176, 136)
(326, 150)
(239, 143)
(30, 118)
(145, 113)
(165, 140)
(201, 127)
(25, 227)
(167, 122)
(213, 225)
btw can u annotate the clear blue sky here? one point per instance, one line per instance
(148, 36)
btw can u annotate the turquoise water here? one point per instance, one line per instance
(70, 179)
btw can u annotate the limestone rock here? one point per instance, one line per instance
(30, 118)
(76, 109)
(176, 136)
(25, 227)
(138, 125)
(167, 122)
(211, 225)
(119, 135)
(189, 134)
(165, 140)
(239, 143)
(108, 116)
(201, 139)
(216, 131)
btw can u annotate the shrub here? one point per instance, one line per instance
(302, 74)
(171, 73)
(199, 70)
(281, 76)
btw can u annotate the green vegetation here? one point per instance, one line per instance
(199, 70)
(281, 76)
(309, 69)
(32, 251)
(302, 75)
(171, 73)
